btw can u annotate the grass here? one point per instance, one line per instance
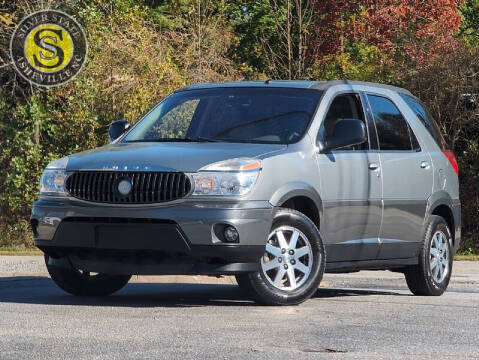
(16, 250)
(466, 257)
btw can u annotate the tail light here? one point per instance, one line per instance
(452, 160)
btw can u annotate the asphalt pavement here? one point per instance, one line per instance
(369, 315)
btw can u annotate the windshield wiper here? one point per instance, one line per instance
(158, 140)
(188, 139)
(203, 139)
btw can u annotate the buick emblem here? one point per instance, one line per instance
(124, 187)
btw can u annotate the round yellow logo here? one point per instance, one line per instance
(48, 48)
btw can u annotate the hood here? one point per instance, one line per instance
(166, 156)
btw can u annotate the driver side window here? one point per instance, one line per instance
(344, 106)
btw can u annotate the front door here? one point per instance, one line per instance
(350, 188)
(407, 181)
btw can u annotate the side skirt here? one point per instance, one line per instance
(353, 266)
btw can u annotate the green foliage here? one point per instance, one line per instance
(360, 62)
(256, 24)
(470, 22)
(23, 157)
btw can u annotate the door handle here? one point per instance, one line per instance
(424, 165)
(373, 166)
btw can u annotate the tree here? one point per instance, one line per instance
(406, 30)
(469, 30)
(273, 37)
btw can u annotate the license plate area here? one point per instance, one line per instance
(130, 236)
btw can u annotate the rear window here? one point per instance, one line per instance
(425, 117)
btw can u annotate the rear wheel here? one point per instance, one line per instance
(431, 275)
(83, 283)
(293, 264)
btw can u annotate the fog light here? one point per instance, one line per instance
(231, 234)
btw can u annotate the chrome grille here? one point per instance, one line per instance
(147, 187)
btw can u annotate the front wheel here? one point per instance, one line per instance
(293, 264)
(82, 283)
(431, 275)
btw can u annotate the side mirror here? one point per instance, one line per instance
(118, 128)
(346, 132)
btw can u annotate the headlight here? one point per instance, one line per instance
(53, 178)
(233, 177)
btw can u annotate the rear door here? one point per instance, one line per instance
(407, 180)
(350, 187)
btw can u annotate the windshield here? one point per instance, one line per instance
(255, 115)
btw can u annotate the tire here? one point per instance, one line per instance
(294, 285)
(80, 283)
(425, 278)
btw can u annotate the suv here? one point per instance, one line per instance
(274, 182)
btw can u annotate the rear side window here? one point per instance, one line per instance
(425, 117)
(393, 130)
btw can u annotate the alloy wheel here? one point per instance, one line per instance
(288, 258)
(439, 257)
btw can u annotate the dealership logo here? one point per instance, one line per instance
(48, 48)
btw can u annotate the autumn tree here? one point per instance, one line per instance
(408, 31)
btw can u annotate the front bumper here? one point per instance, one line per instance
(181, 238)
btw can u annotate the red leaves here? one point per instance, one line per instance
(412, 29)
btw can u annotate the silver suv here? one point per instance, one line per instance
(274, 182)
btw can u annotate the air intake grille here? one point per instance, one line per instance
(146, 187)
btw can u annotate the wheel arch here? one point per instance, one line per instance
(301, 197)
(440, 204)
